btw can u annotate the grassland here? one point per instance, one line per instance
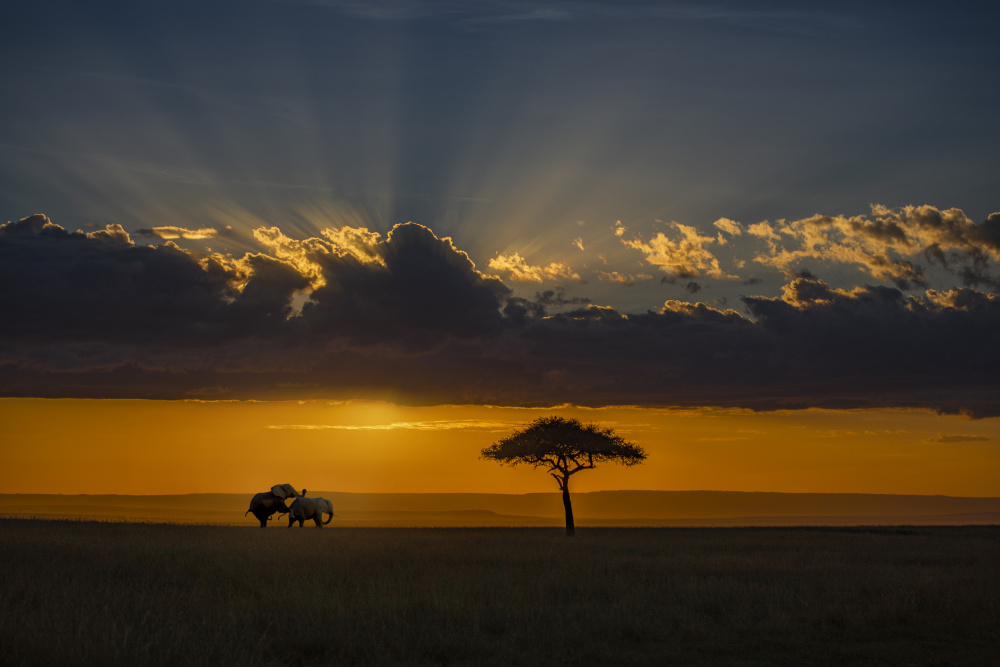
(88, 593)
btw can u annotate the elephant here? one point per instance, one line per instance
(310, 508)
(263, 505)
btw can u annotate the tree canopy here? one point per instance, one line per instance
(564, 444)
(564, 447)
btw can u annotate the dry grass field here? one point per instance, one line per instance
(89, 593)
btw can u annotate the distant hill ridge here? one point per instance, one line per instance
(597, 507)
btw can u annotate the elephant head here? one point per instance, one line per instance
(264, 504)
(286, 491)
(310, 508)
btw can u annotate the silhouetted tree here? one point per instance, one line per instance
(565, 447)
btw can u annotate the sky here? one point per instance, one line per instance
(671, 211)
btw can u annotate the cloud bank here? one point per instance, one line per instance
(408, 317)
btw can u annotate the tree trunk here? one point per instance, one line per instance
(570, 527)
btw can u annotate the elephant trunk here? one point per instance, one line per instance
(330, 519)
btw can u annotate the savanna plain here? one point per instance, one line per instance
(89, 592)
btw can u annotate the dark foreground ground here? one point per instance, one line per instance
(89, 593)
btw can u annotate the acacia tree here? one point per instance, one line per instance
(564, 447)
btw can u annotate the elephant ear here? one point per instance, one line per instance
(284, 491)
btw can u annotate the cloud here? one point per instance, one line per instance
(179, 232)
(101, 287)
(626, 279)
(363, 245)
(764, 230)
(728, 226)
(415, 289)
(33, 225)
(408, 317)
(110, 234)
(514, 266)
(889, 245)
(685, 256)
(950, 439)
(557, 298)
(435, 425)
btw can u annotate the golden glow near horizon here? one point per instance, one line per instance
(167, 447)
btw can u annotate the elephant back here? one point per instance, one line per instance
(308, 507)
(301, 507)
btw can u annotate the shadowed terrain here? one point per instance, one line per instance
(115, 593)
(599, 508)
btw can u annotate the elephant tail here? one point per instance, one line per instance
(247, 512)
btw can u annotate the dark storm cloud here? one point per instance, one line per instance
(409, 318)
(422, 290)
(74, 287)
(557, 298)
(691, 287)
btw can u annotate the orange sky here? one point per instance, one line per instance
(162, 447)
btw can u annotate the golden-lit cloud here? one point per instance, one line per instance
(764, 231)
(687, 255)
(728, 226)
(300, 254)
(113, 232)
(806, 291)
(962, 298)
(180, 233)
(888, 245)
(516, 268)
(626, 279)
(359, 243)
(699, 311)
(845, 241)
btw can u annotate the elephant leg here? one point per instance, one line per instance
(318, 518)
(262, 516)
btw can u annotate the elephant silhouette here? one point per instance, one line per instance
(265, 504)
(310, 508)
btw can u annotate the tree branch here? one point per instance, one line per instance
(559, 480)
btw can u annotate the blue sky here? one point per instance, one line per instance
(487, 120)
